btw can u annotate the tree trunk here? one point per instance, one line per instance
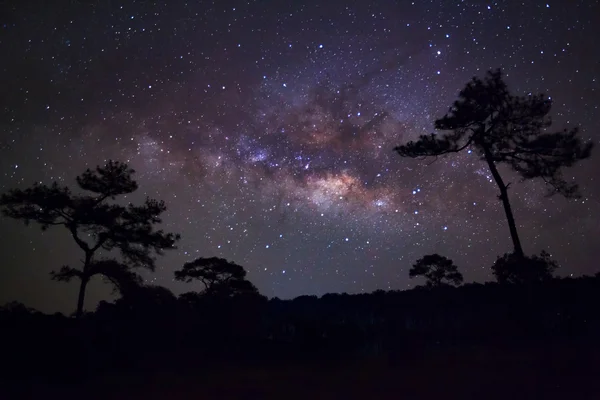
(81, 298)
(507, 209)
(84, 281)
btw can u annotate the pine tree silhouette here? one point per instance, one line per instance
(503, 128)
(97, 225)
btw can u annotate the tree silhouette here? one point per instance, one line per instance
(503, 128)
(97, 225)
(437, 270)
(219, 276)
(519, 270)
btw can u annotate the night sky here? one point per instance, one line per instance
(268, 127)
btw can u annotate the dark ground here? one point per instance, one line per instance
(543, 373)
(474, 342)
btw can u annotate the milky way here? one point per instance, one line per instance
(269, 131)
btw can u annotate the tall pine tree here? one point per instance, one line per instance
(505, 129)
(97, 224)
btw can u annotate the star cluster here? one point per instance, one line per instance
(269, 128)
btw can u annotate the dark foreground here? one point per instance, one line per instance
(540, 373)
(474, 342)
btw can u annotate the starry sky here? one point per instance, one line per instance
(268, 128)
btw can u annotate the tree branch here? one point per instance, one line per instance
(73, 229)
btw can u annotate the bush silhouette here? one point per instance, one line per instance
(511, 268)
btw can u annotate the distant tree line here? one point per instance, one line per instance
(152, 329)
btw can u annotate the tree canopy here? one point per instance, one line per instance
(437, 270)
(219, 276)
